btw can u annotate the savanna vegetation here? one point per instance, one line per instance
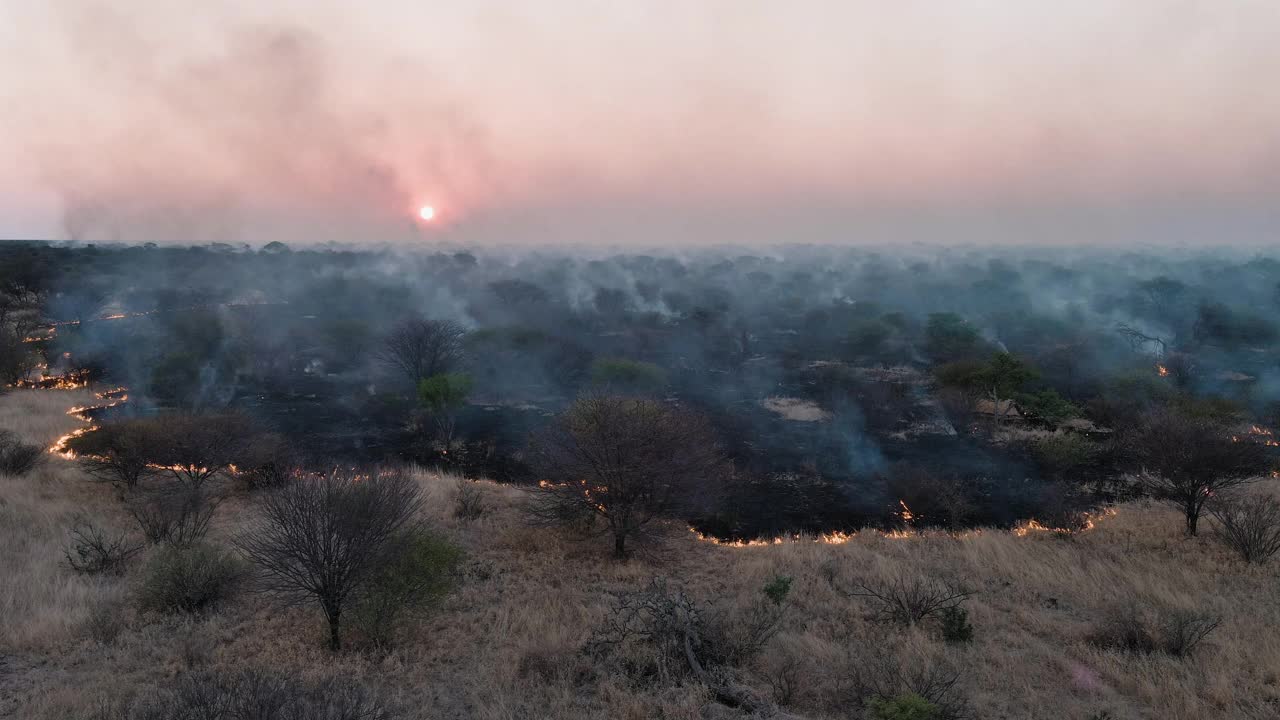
(819, 483)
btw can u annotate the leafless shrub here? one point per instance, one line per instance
(879, 674)
(615, 464)
(92, 550)
(1183, 630)
(253, 695)
(324, 539)
(17, 457)
(1249, 525)
(660, 620)
(1130, 627)
(470, 501)
(179, 518)
(661, 634)
(908, 600)
(785, 675)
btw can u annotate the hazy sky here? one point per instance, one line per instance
(662, 121)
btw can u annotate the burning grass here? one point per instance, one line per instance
(505, 644)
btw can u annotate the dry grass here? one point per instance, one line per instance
(505, 645)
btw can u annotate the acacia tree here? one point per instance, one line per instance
(612, 465)
(194, 448)
(419, 348)
(118, 452)
(1186, 460)
(324, 539)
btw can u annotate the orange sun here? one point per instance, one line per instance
(426, 212)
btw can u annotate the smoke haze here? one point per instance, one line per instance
(573, 122)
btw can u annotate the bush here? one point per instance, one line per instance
(269, 463)
(1249, 525)
(623, 375)
(900, 688)
(908, 601)
(117, 452)
(253, 695)
(956, 627)
(414, 577)
(738, 639)
(17, 457)
(1172, 631)
(907, 706)
(173, 517)
(470, 503)
(192, 579)
(92, 550)
(326, 539)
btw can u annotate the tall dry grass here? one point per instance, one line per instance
(506, 644)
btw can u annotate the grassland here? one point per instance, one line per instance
(506, 644)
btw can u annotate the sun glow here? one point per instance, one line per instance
(426, 212)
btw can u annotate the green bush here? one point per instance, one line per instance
(417, 573)
(192, 579)
(631, 375)
(907, 706)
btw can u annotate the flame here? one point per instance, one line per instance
(116, 396)
(1162, 371)
(906, 514)
(60, 447)
(840, 538)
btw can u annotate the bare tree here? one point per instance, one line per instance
(323, 539)
(1250, 525)
(194, 448)
(1185, 460)
(419, 348)
(612, 465)
(117, 452)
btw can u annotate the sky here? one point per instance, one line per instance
(664, 122)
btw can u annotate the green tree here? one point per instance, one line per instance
(948, 337)
(623, 375)
(443, 395)
(1049, 406)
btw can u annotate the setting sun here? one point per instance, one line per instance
(426, 212)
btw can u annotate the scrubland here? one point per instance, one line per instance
(509, 641)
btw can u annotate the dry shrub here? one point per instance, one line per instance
(662, 633)
(908, 600)
(190, 579)
(1134, 628)
(882, 681)
(179, 517)
(470, 502)
(17, 457)
(1249, 525)
(92, 549)
(253, 695)
(645, 631)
